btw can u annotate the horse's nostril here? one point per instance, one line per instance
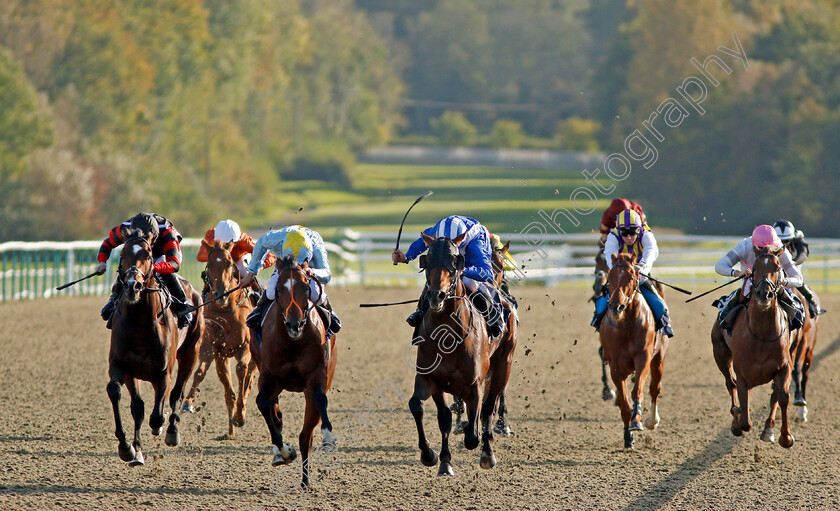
(441, 295)
(138, 287)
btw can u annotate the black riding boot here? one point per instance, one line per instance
(335, 323)
(813, 302)
(416, 317)
(179, 299)
(256, 292)
(109, 308)
(730, 312)
(484, 303)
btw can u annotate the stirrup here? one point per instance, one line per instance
(415, 318)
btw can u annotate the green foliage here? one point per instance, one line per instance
(329, 161)
(576, 134)
(454, 129)
(507, 133)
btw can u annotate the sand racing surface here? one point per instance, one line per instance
(58, 450)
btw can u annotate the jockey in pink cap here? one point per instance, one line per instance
(745, 252)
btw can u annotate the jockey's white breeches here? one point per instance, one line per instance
(317, 293)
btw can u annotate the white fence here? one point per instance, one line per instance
(32, 270)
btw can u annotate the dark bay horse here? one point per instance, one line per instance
(295, 356)
(145, 345)
(631, 345)
(759, 350)
(802, 345)
(226, 336)
(456, 356)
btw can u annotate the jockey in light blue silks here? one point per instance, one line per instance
(478, 268)
(305, 245)
(632, 236)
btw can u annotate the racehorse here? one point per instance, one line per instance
(226, 335)
(145, 345)
(295, 355)
(759, 350)
(802, 345)
(501, 428)
(455, 355)
(631, 344)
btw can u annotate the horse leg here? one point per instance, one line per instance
(205, 358)
(223, 370)
(161, 385)
(137, 412)
(767, 435)
(782, 383)
(320, 397)
(310, 420)
(802, 413)
(607, 393)
(186, 355)
(458, 408)
(797, 360)
(488, 408)
(502, 428)
(428, 456)
(723, 359)
(125, 450)
(657, 367)
(268, 405)
(444, 417)
(245, 368)
(472, 403)
(642, 369)
(744, 421)
(623, 405)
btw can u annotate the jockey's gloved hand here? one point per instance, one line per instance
(100, 268)
(746, 273)
(398, 257)
(246, 280)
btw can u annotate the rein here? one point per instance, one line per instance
(775, 288)
(206, 273)
(306, 309)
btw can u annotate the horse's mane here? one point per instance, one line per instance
(287, 262)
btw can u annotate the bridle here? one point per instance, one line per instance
(134, 270)
(447, 264)
(306, 309)
(632, 296)
(775, 288)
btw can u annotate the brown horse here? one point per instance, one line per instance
(226, 334)
(295, 356)
(456, 356)
(631, 344)
(758, 351)
(145, 345)
(802, 345)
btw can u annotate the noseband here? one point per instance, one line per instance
(775, 287)
(306, 309)
(134, 270)
(632, 295)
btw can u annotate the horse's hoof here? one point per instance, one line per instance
(238, 422)
(459, 428)
(138, 460)
(470, 441)
(487, 460)
(283, 456)
(628, 439)
(786, 441)
(445, 470)
(768, 436)
(800, 402)
(430, 459)
(127, 452)
(608, 394)
(328, 446)
(173, 438)
(636, 426)
(187, 408)
(736, 431)
(651, 423)
(502, 429)
(157, 431)
(801, 414)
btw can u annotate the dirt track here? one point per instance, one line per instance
(57, 446)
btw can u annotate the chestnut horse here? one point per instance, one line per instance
(295, 356)
(631, 344)
(802, 345)
(226, 334)
(456, 356)
(145, 345)
(759, 350)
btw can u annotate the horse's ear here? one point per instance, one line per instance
(460, 262)
(506, 248)
(205, 244)
(614, 257)
(778, 253)
(459, 239)
(428, 240)
(229, 246)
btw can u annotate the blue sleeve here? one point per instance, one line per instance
(259, 254)
(419, 246)
(320, 263)
(477, 256)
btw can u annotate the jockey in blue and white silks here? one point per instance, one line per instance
(633, 236)
(478, 267)
(305, 245)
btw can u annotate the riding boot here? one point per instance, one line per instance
(416, 317)
(730, 312)
(109, 308)
(255, 317)
(484, 304)
(335, 323)
(505, 289)
(179, 299)
(788, 304)
(663, 322)
(813, 302)
(256, 292)
(600, 309)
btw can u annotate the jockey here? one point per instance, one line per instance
(743, 252)
(609, 217)
(305, 245)
(508, 264)
(166, 251)
(228, 231)
(794, 242)
(632, 235)
(478, 268)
